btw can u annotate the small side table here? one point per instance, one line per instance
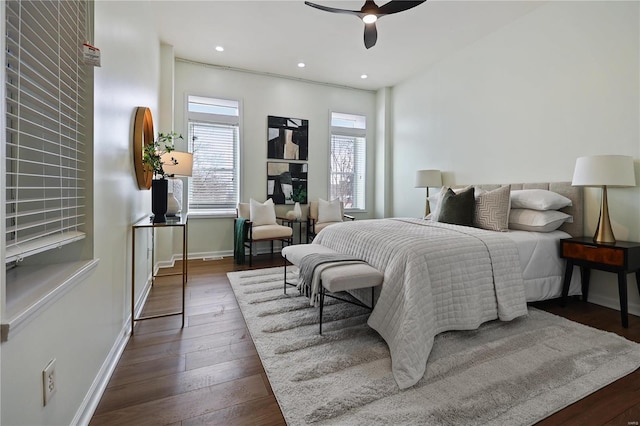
(176, 221)
(290, 223)
(621, 257)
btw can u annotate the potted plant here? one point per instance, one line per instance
(152, 158)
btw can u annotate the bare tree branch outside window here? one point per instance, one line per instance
(343, 173)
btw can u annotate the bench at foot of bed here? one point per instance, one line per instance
(336, 278)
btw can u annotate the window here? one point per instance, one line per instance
(47, 108)
(347, 174)
(214, 140)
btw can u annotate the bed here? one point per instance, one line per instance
(440, 277)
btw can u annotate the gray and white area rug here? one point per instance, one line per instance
(514, 373)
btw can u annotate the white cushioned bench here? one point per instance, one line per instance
(336, 278)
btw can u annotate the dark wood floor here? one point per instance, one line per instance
(210, 373)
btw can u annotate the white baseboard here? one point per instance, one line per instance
(613, 303)
(92, 398)
(209, 255)
(95, 392)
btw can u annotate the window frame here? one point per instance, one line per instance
(215, 119)
(28, 288)
(355, 132)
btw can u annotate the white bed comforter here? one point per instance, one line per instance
(437, 277)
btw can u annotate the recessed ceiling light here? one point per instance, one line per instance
(364, 76)
(219, 48)
(301, 65)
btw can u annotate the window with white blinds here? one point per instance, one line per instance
(347, 164)
(47, 105)
(214, 139)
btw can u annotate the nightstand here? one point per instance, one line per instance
(621, 257)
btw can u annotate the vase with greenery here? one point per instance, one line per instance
(153, 161)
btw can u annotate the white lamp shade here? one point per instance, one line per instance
(428, 178)
(599, 170)
(183, 160)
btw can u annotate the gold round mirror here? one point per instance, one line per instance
(142, 135)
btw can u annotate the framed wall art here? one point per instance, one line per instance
(287, 138)
(287, 182)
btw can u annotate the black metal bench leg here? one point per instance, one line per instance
(285, 275)
(321, 305)
(372, 294)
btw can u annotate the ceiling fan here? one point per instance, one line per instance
(370, 13)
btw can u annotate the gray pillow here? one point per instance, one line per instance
(458, 209)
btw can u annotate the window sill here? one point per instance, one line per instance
(212, 215)
(32, 289)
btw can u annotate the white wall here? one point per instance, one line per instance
(262, 96)
(522, 103)
(84, 327)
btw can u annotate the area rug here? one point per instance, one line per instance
(505, 373)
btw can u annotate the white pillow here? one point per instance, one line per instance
(537, 220)
(262, 213)
(538, 199)
(329, 211)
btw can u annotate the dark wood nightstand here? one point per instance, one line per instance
(621, 257)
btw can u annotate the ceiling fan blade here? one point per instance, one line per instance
(397, 6)
(333, 9)
(370, 35)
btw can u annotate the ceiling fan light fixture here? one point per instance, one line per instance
(369, 19)
(369, 14)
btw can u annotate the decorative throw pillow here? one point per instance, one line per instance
(537, 220)
(262, 213)
(435, 201)
(457, 209)
(492, 209)
(329, 211)
(538, 199)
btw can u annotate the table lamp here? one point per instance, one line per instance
(428, 179)
(602, 171)
(176, 163)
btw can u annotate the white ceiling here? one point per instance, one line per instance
(273, 36)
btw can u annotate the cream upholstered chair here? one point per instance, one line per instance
(322, 214)
(262, 225)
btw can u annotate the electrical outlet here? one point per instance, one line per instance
(49, 384)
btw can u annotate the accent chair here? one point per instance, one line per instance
(322, 214)
(259, 228)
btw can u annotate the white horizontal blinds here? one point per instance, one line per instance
(347, 164)
(46, 95)
(214, 135)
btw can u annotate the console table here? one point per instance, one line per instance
(172, 223)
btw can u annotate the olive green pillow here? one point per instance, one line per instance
(458, 209)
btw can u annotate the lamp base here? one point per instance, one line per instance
(604, 233)
(427, 210)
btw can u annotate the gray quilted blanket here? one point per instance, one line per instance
(437, 277)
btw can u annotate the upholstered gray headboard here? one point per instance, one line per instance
(574, 193)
